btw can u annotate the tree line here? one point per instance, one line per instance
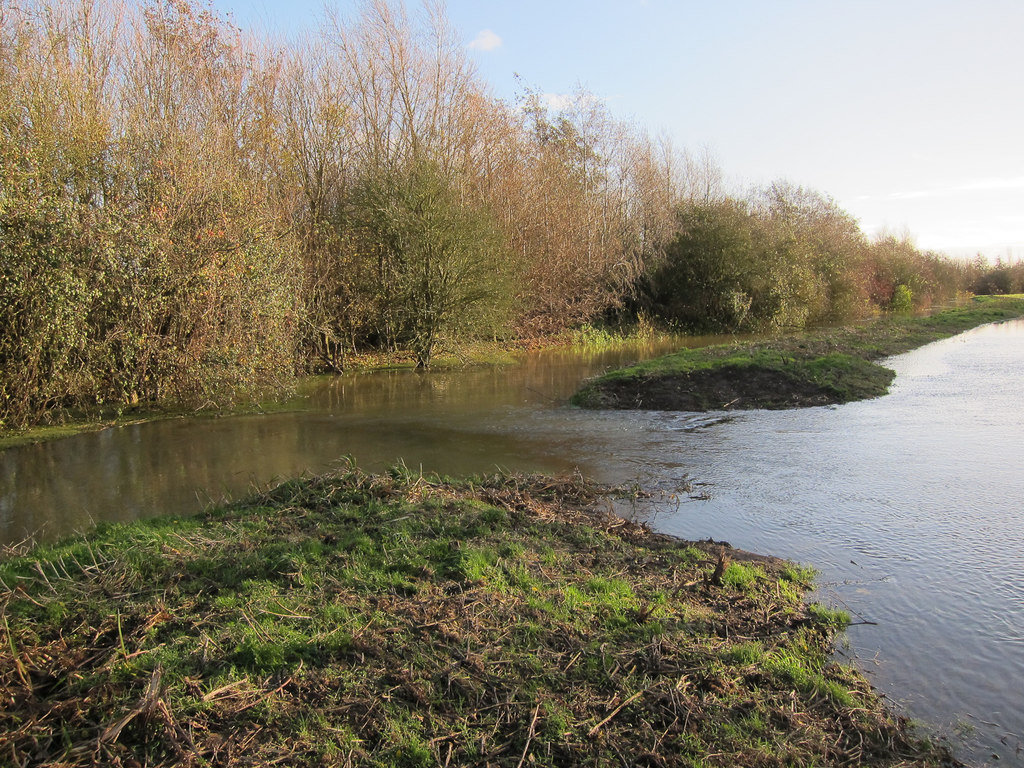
(191, 214)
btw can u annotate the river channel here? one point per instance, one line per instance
(909, 505)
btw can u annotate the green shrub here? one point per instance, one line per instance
(902, 300)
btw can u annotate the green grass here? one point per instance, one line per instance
(590, 337)
(397, 620)
(835, 365)
(742, 578)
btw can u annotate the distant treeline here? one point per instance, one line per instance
(190, 215)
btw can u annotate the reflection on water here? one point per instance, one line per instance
(909, 505)
(459, 422)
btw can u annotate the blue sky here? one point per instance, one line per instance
(910, 113)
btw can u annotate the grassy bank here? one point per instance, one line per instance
(401, 621)
(834, 365)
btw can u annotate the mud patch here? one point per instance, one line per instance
(722, 389)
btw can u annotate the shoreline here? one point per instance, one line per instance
(467, 356)
(399, 619)
(820, 367)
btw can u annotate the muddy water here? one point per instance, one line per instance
(910, 505)
(463, 421)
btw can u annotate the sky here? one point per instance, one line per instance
(908, 113)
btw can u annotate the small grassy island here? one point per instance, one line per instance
(821, 367)
(397, 620)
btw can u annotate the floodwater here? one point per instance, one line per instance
(912, 508)
(909, 505)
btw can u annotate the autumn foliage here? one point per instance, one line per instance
(192, 215)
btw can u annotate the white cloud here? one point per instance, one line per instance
(577, 99)
(978, 185)
(486, 40)
(558, 101)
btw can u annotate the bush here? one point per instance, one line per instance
(45, 293)
(902, 299)
(438, 265)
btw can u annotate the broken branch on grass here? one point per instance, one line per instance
(593, 731)
(148, 700)
(529, 735)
